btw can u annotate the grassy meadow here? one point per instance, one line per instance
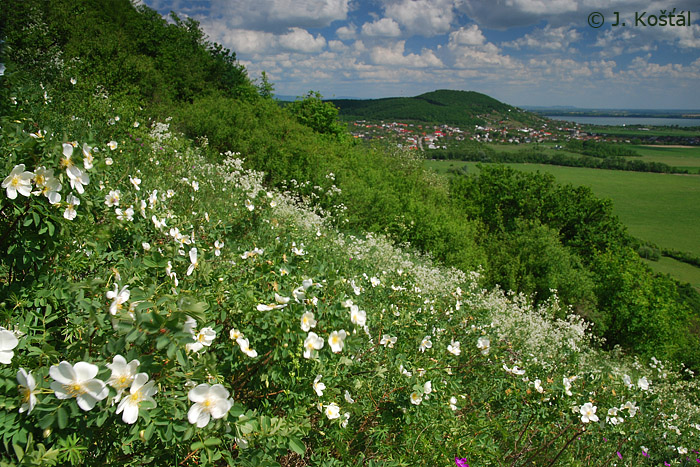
(682, 157)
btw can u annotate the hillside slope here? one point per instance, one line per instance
(465, 108)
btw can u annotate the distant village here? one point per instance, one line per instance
(426, 137)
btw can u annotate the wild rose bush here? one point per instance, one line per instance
(161, 308)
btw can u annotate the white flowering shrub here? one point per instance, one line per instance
(158, 308)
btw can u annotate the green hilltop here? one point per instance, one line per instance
(441, 106)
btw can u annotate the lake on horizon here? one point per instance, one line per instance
(655, 121)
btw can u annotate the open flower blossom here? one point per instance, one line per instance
(357, 316)
(337, 340)
(483, 344)
(312, 344)
(319, 387)
(88, 158)
(538, 386)
(27, 386)
(307, 321)
(141, 390)
(19, 181)
(218, 245)
(245, 347)
(514, 371)
(298, 251)
(643, 384)
(332, 411)
(193, 261)
(388, 341)
(453, 348)
(77, 178)
(209, 402)
(348, 397)
(47, 185)
(453, 403)
(122, 374)
(112, 145)
(252, 253)
(234, 334)
(587, 411)
(78, 381)
(112, 199)
(136, 182)
(118, 297)
(8, 341)
(629, 405)
(416, 398)
(202, 339)
(281, 303)
(70, 213)
(426, 343)
(567, 385)
(612, 416)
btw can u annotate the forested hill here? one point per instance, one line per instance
(441, 106)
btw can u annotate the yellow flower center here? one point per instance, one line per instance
(207, 403)
(74, 389)
(40, 180)
(136, 397)
(15, 181)
(25, 393)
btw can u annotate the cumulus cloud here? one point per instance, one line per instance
(422, 17)
(467, 36)
(547, 38)
(346, 32)
(393, 55)
(385, 27)
(301, 40)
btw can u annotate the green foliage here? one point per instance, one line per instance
(444, 106)
(199, 271)
(320, 116)
(532, 260)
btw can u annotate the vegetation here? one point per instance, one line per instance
(465, 108)
(193, 275)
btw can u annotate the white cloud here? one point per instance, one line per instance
(467, 36)
(394, 56)
(547, 38)
(243, 41)
(385, 27)
(346, 32)
(422, 17)
(301, 40)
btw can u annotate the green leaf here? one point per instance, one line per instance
(297, 446)
(19, 452)
(62, 416)
(196, 446)
(47, 421)
(209, 442)
(181, 358)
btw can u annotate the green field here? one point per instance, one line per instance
(681, 157)
(681, 271)
(661, 208)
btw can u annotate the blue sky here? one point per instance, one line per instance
(522, 52)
